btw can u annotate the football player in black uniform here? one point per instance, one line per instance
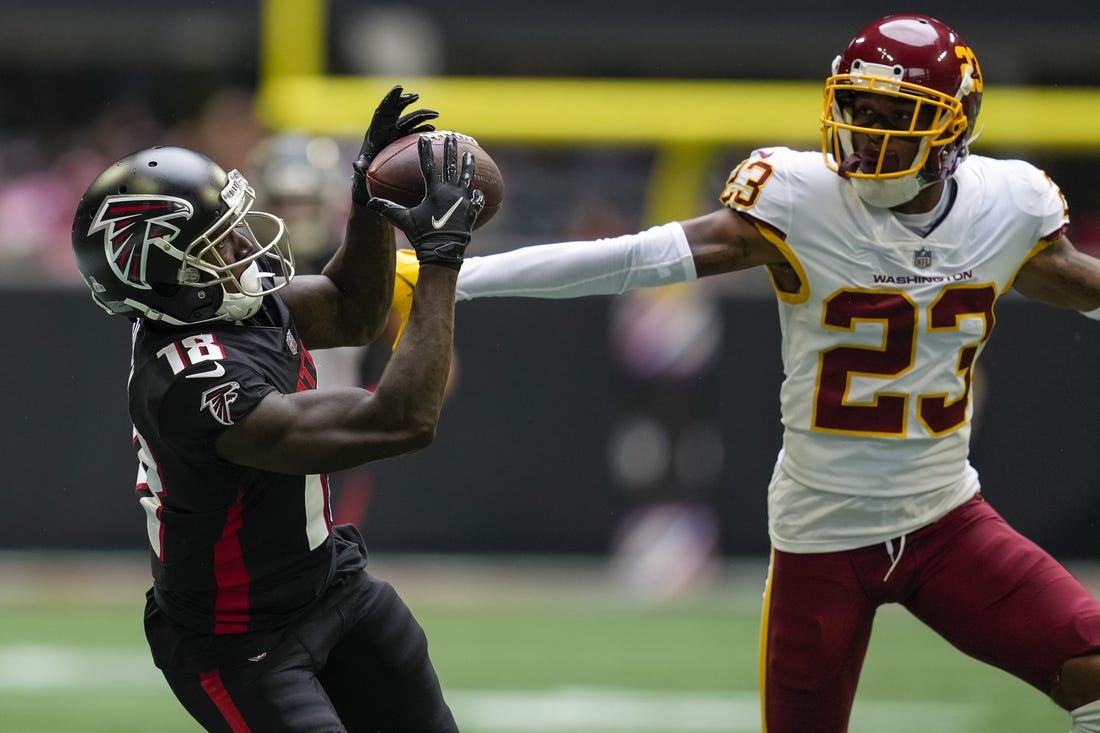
(261, 615)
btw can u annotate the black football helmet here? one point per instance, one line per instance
(146, 232)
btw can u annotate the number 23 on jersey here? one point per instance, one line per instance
(896, 314)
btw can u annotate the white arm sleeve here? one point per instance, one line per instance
(657, 256)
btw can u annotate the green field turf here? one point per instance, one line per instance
(520, 646)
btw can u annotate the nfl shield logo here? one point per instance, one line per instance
(922, 258)
(291, 343)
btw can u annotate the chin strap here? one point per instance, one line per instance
(886, 193)
(237, 307)
(245, 304)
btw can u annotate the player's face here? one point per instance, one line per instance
(894, 115)
(233, 248)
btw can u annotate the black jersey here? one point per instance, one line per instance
(235, 550)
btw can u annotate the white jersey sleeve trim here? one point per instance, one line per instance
(657, 256)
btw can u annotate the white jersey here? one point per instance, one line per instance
(880, 341)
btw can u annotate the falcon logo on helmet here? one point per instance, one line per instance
(218, 399)
(130, 224)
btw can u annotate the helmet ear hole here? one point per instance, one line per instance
(166, 290)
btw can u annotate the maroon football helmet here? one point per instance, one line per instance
(912, 58)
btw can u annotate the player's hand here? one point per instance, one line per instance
(439, 227)
(387, 125)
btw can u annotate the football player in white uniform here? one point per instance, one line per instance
(887, 256)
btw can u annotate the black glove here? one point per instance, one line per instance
(386, 126)
(439, 227)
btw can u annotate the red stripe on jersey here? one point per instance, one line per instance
(215, 689)
(307, 372)
(328, 500)
(231, 607)
(354, 498)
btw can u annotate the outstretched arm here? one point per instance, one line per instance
(348, 303)
(718, 242)
(657, 256)
(1062, 276)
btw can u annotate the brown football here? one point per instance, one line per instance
(394, 173)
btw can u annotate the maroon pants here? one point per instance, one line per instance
(982, 586)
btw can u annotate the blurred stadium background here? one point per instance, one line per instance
(585, 541)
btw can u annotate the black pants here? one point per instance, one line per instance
(358, 663)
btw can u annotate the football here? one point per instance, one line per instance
(394, 173)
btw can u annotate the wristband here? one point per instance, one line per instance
(448, 254)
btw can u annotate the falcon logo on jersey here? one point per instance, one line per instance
(130, 224)
(922, 258)
(218, 399)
